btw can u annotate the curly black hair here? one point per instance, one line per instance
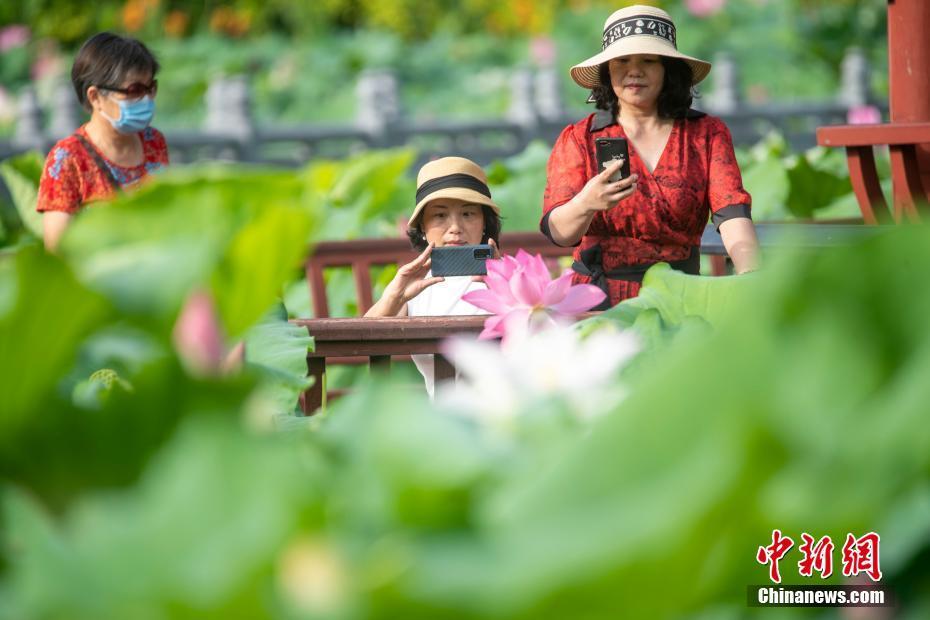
(492, 230)
(674, 99)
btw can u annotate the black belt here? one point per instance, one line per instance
(592, 265)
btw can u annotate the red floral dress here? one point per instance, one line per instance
(71, 178)
(696, 177)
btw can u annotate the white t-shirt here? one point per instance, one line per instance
(442, 299)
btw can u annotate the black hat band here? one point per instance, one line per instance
(639, 25)
(465, 181)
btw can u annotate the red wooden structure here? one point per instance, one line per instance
(363, 254)
(907, 135)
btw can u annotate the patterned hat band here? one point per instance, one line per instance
(638, 25)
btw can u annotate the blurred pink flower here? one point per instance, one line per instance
(542, 50)
(522, 296)
(13, 36)
(48, 62)
(864, 115)
(704, 8)
(198, 337)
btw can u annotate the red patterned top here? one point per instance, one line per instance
(696, 176)
(72, 178)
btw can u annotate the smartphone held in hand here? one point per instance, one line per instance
(609, 150)
(461, 260)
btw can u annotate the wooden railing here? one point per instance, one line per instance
(907, 135)
(911, 195)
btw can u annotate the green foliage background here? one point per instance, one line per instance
(453, 59)
(798, 403)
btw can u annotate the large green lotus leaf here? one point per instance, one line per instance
(21, 175)
(202, 535)
(806, 415)
(366, 195)
(806, 418)
(675, 296)
(767, 181)
(45, 313)
(106, 443)
(278, 351)
(813, 188)
(258, 261)
(399, 465)
(240, 230)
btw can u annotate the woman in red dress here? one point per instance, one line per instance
(682, 165)
(114, 79)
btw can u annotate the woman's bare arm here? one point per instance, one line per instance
(54, 224)
(739, 238)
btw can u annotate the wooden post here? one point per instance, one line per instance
(229, 114)
(378, 112)
(726, 96)
(855, 89)
(522, 110)
(65, 112)
(312, 398)
(29, 131)
(548, 90)
(443, 370)
(909, 77)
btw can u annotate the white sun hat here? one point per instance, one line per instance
(636, 29)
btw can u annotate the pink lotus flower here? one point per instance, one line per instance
(543, 50)
(198, 336)
(14, 36)
(704, 8)
(864, 115)
(522, 296)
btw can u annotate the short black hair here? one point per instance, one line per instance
(492, 229)
(106, 59)
(674, 99)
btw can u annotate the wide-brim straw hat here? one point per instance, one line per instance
(454, 178)
(637, 29)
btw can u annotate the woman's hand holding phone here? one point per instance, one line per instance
(497, 254)
(411, 279)
(600, 194)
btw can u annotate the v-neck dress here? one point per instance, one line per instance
(696, 177)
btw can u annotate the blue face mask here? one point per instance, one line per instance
(134, 116)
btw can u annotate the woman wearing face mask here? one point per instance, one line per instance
(114, 79)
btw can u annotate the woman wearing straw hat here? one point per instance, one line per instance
(453, 207)
(682, 165)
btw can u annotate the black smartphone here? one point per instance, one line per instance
(609, 150)
(461, 260)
